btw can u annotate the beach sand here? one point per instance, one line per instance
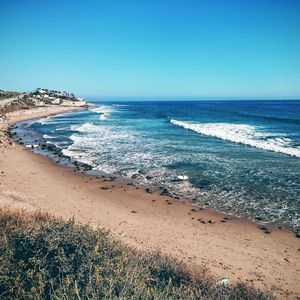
(234, 248)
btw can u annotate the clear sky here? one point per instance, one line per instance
(158, 48)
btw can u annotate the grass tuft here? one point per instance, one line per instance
(42, 257)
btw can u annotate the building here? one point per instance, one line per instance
(73, 103)
(56, 101)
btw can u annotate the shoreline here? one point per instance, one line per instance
(235, 248)
(271, 225)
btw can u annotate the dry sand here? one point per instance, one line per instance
(237, 249)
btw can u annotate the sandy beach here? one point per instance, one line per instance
(232, 248)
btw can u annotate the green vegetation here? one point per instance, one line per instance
(42, 257)
(8, 94)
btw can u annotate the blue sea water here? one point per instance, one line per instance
(242, 157)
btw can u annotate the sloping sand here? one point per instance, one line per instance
(236, 248)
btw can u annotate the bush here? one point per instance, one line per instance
(42, 257)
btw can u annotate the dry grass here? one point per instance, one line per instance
(42, 257)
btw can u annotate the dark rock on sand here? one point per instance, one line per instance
(104, 188)
(149, 191)
(263, 228)
(165, 192)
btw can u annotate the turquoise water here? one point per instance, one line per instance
(241, 157)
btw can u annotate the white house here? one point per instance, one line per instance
(73, 103)
(56, 101)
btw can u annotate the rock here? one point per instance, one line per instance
(224, 281)
(149, 191)
(193, 209)
(263, 228)
(133, 211)
(165, 192)
(104, 188)
(211, 221)
(201, 221)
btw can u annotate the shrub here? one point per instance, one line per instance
(42, 257)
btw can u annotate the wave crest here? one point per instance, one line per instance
(104, 111)
(242, 134)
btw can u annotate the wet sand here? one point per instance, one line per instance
(233, 248)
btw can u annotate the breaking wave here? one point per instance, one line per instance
(243, 134)
(104, 111)
(47, 136)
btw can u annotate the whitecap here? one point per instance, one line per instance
(242, 134)
(47, 136)
(103, 110)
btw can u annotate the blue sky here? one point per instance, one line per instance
(152, 49)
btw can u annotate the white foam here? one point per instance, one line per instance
(55, 119)
(43, 121)
(120, 105)
(103, 110)
(86, 128)
(242, 134)
(47, 136)
(62, 128)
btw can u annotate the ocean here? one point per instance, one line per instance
(240, 157)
